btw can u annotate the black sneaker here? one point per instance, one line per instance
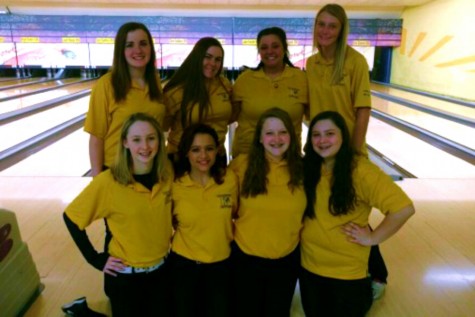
(79, 308)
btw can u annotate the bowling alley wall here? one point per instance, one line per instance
(437, 51)
(88, 41)
(431, 48)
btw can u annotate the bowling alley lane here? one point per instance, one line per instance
(66, 157)
(69, 156)
(9, 81)
(40, 85)
(451, 130)
(414, 155)
(28, 127)
(426, 100)
(23, 102)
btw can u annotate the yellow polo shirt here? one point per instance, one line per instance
(326, 250)
(105, 117)
(257, 93)
(352, 93)
(140, 220)
(218, 116)
(269, 225)
(204, 228)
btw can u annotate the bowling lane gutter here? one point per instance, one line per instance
(423, 108)
(44, 90)
(41, 81)
(42, 106)
(461, 102)
(465, 153)
(24, 149)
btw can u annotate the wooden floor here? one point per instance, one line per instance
(431, 261)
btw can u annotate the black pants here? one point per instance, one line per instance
(376, 266)
(139, 294)
(323, 296)
(263, 287)
(200, 289)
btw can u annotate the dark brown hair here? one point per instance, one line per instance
(255, 177)
(343, 196)
(120, 76)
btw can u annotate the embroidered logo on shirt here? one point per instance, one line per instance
(224, 96)
(225, 200)
(344, 79)
(293, 92)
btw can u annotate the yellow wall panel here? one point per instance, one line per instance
(437, 53)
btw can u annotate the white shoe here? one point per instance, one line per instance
(378, 289)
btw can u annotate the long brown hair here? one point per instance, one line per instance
(255, 177)
(120, 76)
(343, 195)
(191, 79)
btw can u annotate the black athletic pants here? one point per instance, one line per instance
(263, 287)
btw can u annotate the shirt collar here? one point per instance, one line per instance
(285, 74)
(188, 182)
(275, 164)
(320, 60)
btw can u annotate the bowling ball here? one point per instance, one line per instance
(4, 232)
(5, 248)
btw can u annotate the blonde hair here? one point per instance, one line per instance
(122, 170)
(338, 12)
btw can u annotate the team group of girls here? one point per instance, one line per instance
(190, 234)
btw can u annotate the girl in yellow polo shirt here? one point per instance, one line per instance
(131, 86)
(342, 188)
(267, 228)
(274, 83)
(205, 197)
(338, 80)
(134, 196)
(338, 75)
(199, 93)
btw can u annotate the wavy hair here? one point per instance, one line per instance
(123, 168)
(341, 44)
(191, 79)
(120, 76)
(255, 177)
(343, 196)
(182, 165)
